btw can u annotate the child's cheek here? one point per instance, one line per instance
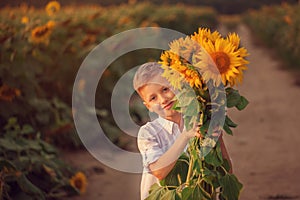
(158, 109)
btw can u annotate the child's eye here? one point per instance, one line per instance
(152, 98)
(165, 89)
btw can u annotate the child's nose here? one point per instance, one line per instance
(164, 99)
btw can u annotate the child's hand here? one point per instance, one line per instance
(193, 132)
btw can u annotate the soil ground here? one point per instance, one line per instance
(264, 148)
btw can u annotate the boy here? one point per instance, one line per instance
(162, 140)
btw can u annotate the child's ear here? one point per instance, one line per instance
(147, 106)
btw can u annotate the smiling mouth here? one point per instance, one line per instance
(169, 105)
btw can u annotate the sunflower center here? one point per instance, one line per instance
(53, 9)
(222, 61)
(78, 183)
(41, 32)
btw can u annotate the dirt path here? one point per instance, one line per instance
(104, 183)
(265, 145)
(264, 148)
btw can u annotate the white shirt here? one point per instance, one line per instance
(154, 139)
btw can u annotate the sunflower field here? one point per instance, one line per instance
(40, 53)
(279, 28)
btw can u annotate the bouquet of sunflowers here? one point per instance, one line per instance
(203, 68)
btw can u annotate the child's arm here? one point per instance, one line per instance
(166, 162)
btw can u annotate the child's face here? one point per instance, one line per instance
(159, 99)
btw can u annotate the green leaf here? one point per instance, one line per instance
(7, 164)
(204, 127)
(48, 147)
(242, 103)
(29, 188)
(204, 151)
(229, 122)
(209, 176)
(227, 129)
(208, 142)
(197, 165)
(219, 151)
(12, 124)
(40, 104)
(27, 129)
(156, 192)
(212, 158)
(192, 109)
(169, 195)
(177, 196)
(185, 97)
(232, 97)
(186, 193)
(28, 144)
(179, 171)
(153, 192)
(231, 187)
(176, 106)
(10, 145)
(189, 121)
(226, 165)
(197, 193)
(204, 94)
(207, 172)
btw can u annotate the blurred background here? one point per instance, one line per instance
(42, 45)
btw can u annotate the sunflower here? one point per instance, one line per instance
(185, 48)
(50, 24)
(52, 8)
(204, 35)
(222, 61)
(41, 34)
(24, 20)
(79, 182)
(234, 39)
(177, 69)
(8, 93)
(174, 77)
(169, 58)
(193, 78)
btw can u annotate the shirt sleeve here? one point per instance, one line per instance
(149, 146)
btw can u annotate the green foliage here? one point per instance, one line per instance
(230, 186)
(43, 73)
(177, 175)
(278, 27)
(36, 83)
(210, 178)
(207, 174)
(29, 166)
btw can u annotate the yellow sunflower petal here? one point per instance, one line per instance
(41, 34)
(216, 58)
(234, 39)
(52, 8)
(226, 59)
(79, 182)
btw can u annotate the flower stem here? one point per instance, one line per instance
(223, 168)
(191, 163)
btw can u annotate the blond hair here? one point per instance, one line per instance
(145, 74)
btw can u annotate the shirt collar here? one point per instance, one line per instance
(167, 124)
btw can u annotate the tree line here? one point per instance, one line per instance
(222, 6)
